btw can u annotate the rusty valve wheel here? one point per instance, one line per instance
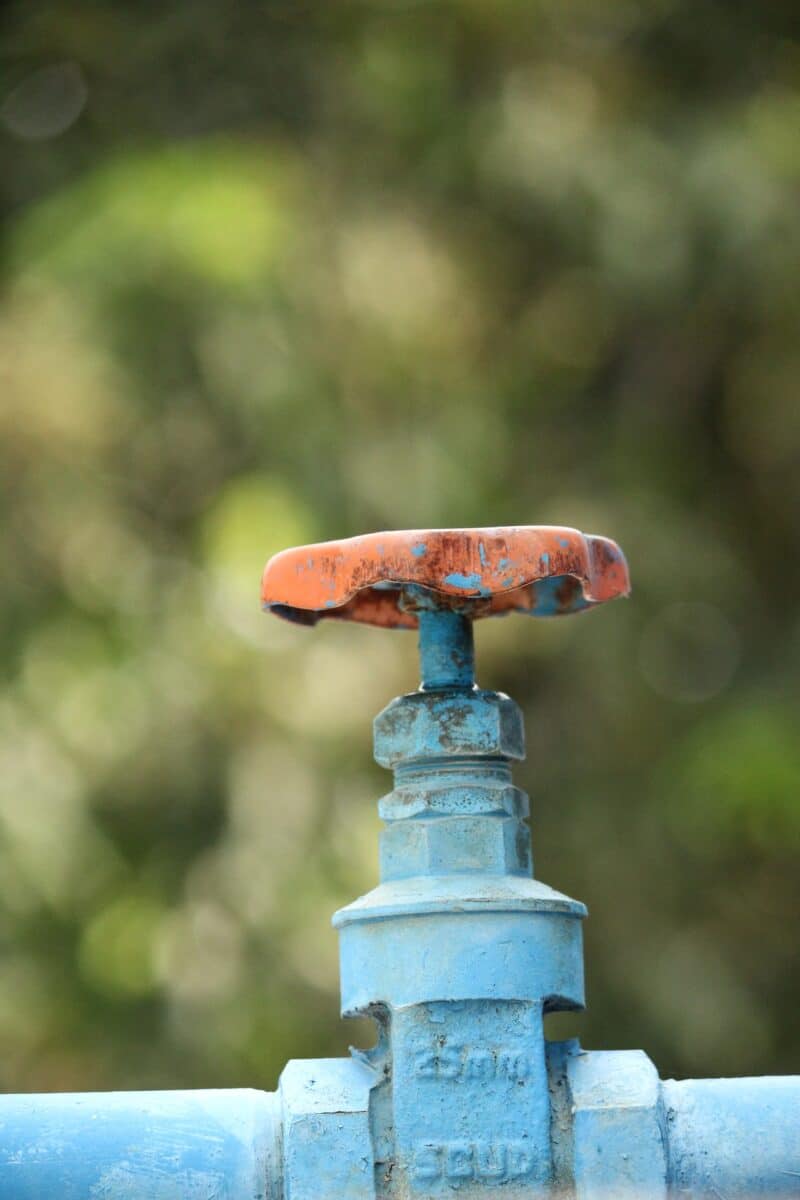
(387, 579)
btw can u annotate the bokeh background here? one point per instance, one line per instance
(285, 271)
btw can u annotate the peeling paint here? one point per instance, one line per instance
(376, 579)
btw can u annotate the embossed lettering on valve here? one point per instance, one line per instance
(466, 1063)
(488, 1162)
(471, 1108)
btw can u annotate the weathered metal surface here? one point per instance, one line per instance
(198, 1145)
(457, 955)
(448, 724)
(543, 570)
(446, 649)
(733, 1137)
(327, 1141)
(617, 1140)
(458, 947)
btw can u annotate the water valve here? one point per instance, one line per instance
(459, 952)
(457, 955)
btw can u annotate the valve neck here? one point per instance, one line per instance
(446, 650)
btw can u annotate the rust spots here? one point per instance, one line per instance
(543, 570)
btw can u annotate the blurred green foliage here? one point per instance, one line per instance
(284, 271)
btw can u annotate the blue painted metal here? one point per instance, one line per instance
(446, 649)
(456, 955)
(199, 1145)
(733, 1137)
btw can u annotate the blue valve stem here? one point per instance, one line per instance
(446, 650)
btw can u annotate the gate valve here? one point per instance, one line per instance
(459, 952)
(456, 956)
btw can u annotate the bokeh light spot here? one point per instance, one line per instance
(689, 652)
(118, 946)
(251, 519)
(45, 103)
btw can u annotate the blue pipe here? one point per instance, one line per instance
(733, 1137)
(200, 1145)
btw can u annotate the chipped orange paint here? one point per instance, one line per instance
(540, 569)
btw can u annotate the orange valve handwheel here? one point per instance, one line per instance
(385, 579)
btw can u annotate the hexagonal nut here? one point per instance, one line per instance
(446, 845)
(327, 1146)
(617, 1125)
(440, 794)
(425, 725)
